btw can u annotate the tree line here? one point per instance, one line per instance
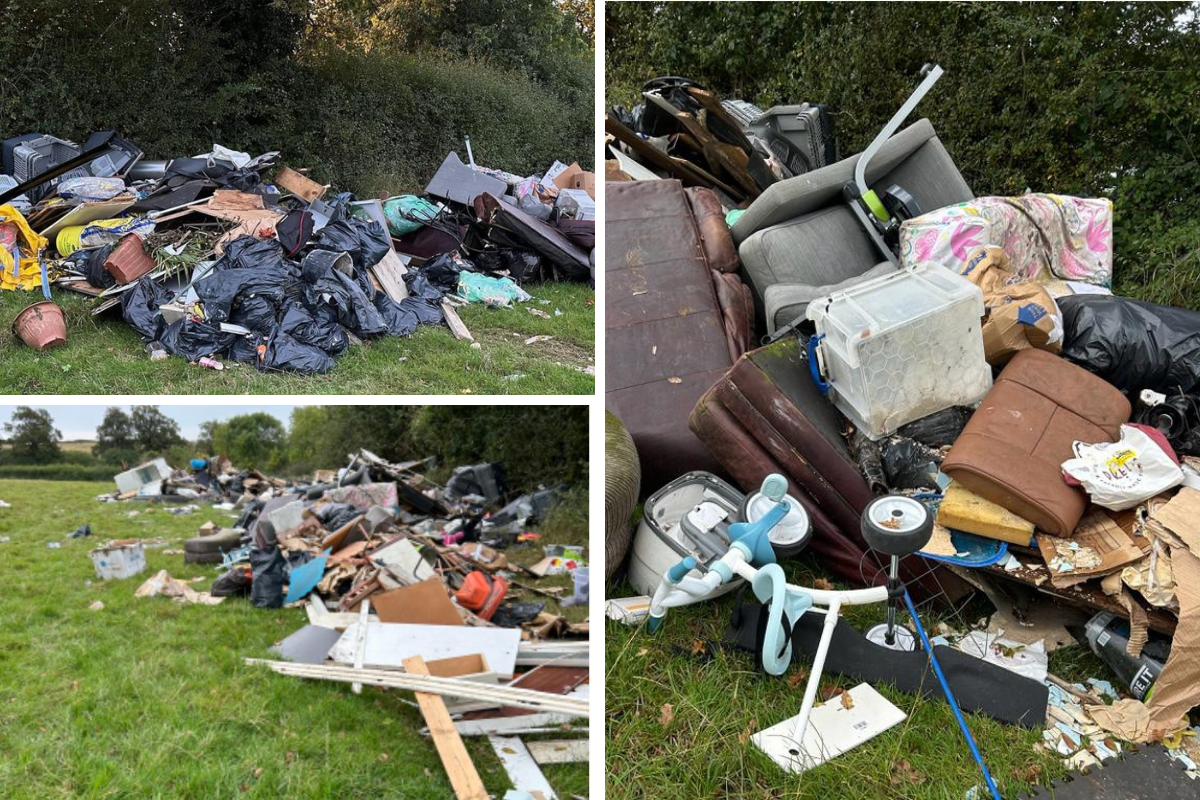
(536, 444)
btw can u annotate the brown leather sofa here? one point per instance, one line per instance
(766, 415)
(676, 317)
(1012, 449)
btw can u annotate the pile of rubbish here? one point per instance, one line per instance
(406, 584)
(224, 258)
(962, 351)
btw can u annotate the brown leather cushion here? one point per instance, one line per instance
(1012, 449)
(714, 233)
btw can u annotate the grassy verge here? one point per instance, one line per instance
(701, 747)
(149, 698)
(105, 356)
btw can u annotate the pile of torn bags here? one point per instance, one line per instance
(222, 257)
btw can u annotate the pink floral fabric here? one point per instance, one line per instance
(1044, 235)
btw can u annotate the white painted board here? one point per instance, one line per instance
(389, 643)
(832, 730)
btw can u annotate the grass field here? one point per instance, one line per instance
(701, 747)
(148, 698)
(103, 355)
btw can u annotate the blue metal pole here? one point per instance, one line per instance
(962, 723)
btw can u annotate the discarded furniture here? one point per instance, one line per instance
(622, 483)
(1012, 449)
(674, 321)
(766, 415)
(800, 240)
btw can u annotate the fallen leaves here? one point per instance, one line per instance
(697, 647)
(666, 715)
(829, 692)
(823, 584)
(797, 677)
(903, 773)
(744, 736)
(847, 701)
(1029, 773)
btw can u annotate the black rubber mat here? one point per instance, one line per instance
(1146, 774)
(977, 684)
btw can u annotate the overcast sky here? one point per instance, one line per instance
(79, 422)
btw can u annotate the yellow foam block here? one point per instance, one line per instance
(964, 510)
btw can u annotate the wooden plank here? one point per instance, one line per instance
(576, 706)
(455, 323)
(558, 751)
(457, 762)
(390, 272)
(360, 648)
(687, 172)
(522, 769)
(299, 185)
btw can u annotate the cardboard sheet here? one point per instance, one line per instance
(424, 603)
(1181, 516)
(1098, 547)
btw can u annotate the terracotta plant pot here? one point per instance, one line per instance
(41, 326)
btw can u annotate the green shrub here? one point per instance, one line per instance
(57, 472)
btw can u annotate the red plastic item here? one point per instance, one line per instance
(482, 594)
(41, 326)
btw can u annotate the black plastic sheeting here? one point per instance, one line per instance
(249, 266)
(255, 312)
(1132, 344)
(402, 318)
(295, 326)
(347, 298)
(139, 308)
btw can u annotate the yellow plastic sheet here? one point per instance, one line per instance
(29, 272)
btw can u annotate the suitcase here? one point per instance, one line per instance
(766, 415)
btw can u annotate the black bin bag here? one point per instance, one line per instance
(194, 340)
(1132, 344)
(285, 353)
(139, 308)
(266, 588)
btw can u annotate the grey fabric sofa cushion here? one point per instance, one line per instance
(794, 197)
(801, 234)
(786, 302)
(825, 247)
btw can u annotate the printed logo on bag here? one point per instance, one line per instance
(1123, 468)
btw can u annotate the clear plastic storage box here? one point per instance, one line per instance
(902, 347)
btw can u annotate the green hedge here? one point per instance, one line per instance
(1074, 98)
(174, 77)
(57, 472)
